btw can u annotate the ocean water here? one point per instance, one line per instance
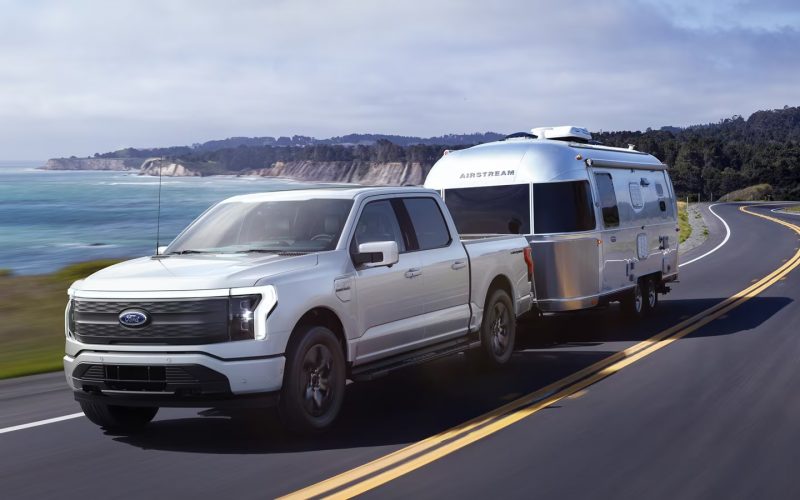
(49, 219)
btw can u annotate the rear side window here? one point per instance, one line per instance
(428, 222)
(608, 200)
(490, 209)
(562, 207)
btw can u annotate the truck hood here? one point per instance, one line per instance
(192, 272)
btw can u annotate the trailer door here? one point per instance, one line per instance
(614, 270)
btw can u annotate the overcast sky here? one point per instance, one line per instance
(82, 77)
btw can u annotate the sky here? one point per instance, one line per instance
(82, 77)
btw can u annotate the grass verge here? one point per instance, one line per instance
(32, 312)
(683, 221)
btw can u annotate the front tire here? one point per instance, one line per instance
(498, 329)
(314, 381)
(124, 419)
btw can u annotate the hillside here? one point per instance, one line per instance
(706, 160)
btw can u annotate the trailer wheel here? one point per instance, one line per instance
(498, 329)
(121, 419)
(651, 296)
(314, 381)
(634, 302)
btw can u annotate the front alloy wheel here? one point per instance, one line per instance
(313, 381)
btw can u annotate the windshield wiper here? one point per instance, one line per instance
(285, 251)
(259, 250)
(184, 252)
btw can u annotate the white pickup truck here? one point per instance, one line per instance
(279, 298)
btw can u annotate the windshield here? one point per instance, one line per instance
(268, 226)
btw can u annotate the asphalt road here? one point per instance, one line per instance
(714, 414)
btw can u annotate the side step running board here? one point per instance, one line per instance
(382, 367)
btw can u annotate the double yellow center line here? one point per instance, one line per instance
(410, 458)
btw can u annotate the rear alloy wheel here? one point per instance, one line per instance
(314, 381)
(123, 419)
(498, 329)
(651, 296)
(634, 302)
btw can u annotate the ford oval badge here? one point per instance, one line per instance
(134, 318)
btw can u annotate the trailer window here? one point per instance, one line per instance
(608, 200)
(490, 209)
(636, 195)
(562, 207)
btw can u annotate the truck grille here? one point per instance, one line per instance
(185, 379)
(171, 322)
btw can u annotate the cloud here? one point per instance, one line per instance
(81, 77)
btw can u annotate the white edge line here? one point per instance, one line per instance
(727, 236)
(40, 422)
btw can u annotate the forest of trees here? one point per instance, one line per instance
(706, 160)
(715, 159)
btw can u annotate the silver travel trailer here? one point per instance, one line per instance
(601, 221)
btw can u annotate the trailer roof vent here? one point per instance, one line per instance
(563, 133)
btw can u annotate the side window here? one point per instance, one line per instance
(608, 200)
(636, 195)
(377, 223)
(429, 225)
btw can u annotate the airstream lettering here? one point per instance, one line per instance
(601, 221)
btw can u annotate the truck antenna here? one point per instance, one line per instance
(158, 216)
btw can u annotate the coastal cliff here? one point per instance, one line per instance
(93, 164)
(167, 168)
(358, 172)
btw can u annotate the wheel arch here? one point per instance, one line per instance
(320, 316)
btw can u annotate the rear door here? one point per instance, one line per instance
(445, 269)
(389, 299)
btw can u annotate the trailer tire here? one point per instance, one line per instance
(650, 296)
(314, 381)
(498, 329)
(634, 300)
(123, 419)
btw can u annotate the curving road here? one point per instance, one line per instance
(592, 407)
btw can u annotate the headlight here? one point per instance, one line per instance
(69, 319)
(241, 309)
(248, 311)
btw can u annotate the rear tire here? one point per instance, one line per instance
(633, 303)
(650, 296)
(314, 381)
(498, 329)
(125, 419)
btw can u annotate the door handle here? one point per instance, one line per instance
(413, 272)
(459, 264)
(613, 239)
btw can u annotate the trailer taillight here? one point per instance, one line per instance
(529, 261)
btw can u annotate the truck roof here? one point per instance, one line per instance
(336, 192)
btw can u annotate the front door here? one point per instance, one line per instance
(389, 299)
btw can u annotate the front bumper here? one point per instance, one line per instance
(193, 379)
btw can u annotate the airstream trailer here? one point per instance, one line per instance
(601, 221)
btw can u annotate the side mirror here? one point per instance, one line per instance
(377, 253)
(160, 250)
